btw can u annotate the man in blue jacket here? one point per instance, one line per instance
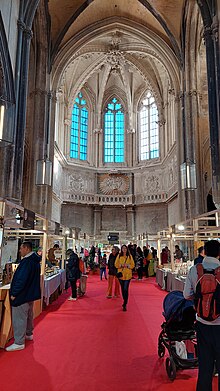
(25, 289)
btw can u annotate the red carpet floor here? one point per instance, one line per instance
(91, 345)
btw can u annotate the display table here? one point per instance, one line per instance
(5, 326)
(170, 280)
(161, 277)
(179, 283)
(52, 283)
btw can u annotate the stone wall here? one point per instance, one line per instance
(113, 219)
(78, 216)
(151, 218)
(173, 212)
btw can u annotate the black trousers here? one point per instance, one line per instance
(73, 287)
(208, 341)
(140, 272)
(124, 290)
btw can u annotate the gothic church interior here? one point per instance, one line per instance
(110, 112)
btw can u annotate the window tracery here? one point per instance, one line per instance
(114, 132)
(149, 129)
(79, 129)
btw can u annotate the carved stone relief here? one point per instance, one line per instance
(80, 183)
(152, 183)
(114, 184)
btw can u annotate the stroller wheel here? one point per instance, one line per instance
(171, 368)
(161, 350)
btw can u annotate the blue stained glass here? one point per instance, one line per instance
(114, 133)
(79, 129)
(149, 132)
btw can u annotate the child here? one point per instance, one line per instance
(103, 263)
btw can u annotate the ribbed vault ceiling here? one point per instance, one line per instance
(128, 45)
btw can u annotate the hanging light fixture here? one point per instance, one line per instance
(6, 121)
(188, 175)
(44, 172)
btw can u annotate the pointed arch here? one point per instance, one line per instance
(79, 129)
(114, 132)
(148, 127)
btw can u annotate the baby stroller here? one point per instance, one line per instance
(178, 327)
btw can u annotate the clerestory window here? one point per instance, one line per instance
(149, 131)
(79, 129)
(114, 132)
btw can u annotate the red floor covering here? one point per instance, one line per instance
(91, 345)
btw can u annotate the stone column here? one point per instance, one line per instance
(18, 158)
(98, 147)
(211, 35)
(97, 220)
(130, 221)
(130, 147)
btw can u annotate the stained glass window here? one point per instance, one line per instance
(79, 129)
(149, 132)
(114, 132)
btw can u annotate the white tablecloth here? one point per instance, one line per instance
(178, 284)
(170, 280)
(52, 283)
(160, 277)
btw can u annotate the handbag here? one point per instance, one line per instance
(119, 274)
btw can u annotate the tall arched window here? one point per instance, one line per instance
(114, 133)
(149, 133)
(79, 129)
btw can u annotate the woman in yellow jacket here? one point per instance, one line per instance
(124, 264)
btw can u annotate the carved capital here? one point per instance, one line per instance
(215, 29)
(171, 91)
(67, 121)
(192, 93)
(97, 131)
(21, 25)
(28, 33)
(161, 122)
(39, 92)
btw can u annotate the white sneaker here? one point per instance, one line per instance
(72, 298)
(29, 337)
(14, 347)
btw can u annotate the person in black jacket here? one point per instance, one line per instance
(73, 272)
(201, 254)
(25, 289)
(112, 274)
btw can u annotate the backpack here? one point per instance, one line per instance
(207, 296)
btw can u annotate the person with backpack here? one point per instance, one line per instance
(203, 286)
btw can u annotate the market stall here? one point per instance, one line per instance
(17, 225)
(189, 235)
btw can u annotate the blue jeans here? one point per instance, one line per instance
(208, 343)
(103, 271)
(124, 290)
